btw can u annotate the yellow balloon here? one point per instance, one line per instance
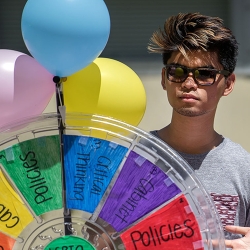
(106, 87)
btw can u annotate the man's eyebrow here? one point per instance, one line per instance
(208, 67)
(200, 67)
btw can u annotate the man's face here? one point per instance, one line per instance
(189, 98)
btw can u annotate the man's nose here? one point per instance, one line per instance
(190, 82)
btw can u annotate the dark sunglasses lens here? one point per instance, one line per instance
(176, 74)
(205, 76)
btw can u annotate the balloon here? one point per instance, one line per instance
(32, 86)
(7, 63)
(106, 87)
(65, 35)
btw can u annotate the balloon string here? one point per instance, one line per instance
(61, 128)
(59, 94)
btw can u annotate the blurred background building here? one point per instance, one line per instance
(132, 24)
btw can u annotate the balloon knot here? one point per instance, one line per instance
(58, 79)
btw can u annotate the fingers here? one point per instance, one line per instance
(229, 243)
(237, 229)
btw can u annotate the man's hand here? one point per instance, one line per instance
(241, 243)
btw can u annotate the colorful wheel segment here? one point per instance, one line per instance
(100, 184)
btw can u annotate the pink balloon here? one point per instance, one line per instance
(7, 64)
(33, 88)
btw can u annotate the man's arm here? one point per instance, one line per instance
(241, 243)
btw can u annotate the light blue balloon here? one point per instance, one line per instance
(65, 36)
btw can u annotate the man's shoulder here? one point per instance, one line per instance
(235, 147)
(234, 152)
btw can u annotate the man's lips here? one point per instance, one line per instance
(189, 96)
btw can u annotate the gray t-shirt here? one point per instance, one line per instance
(225, 173)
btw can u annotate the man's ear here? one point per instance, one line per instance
(230, 81)
(163, 80)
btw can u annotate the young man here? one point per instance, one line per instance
(199, 57)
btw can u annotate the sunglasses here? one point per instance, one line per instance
(201, 76)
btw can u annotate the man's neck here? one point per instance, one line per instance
(192, 135)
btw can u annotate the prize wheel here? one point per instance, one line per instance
(94, 183)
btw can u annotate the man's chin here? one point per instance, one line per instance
(189, 112)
